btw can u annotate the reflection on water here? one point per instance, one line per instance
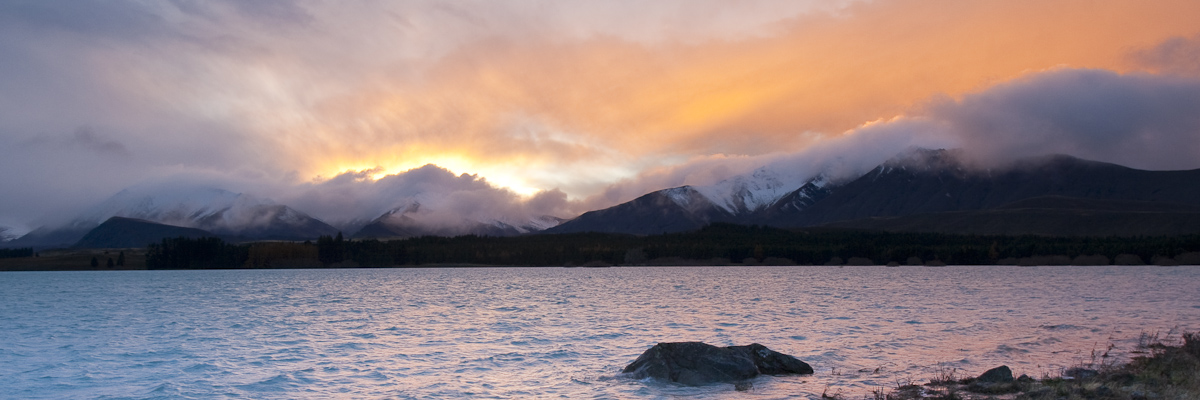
(553, 332)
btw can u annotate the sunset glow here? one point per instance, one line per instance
(503, 105)
(580, 98)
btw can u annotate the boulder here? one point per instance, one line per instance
(1001, 374)
(995, 381)
(696, 363)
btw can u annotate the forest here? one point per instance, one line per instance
(16, 253)
(717, 244)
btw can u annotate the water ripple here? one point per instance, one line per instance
(521, 333)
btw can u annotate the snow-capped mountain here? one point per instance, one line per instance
(221, 212)
(755, 191)
(177, 206)
(914, 182)
(938, 188)
(738, 199)
(796, 201)
(215, 210)
(413, 218)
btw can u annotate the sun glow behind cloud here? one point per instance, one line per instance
(605, 101)
(499, 177)
(505, 106)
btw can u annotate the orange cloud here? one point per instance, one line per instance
(543, 112)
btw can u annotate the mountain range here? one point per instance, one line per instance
(218, 212)
(934, 191)
(412, 219)
(742, 199)
(135, 215)
(919, 190)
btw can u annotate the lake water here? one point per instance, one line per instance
(557, 332)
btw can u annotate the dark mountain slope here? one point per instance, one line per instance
(400, 227)
(933, 181)
(46, 238)
(119, 232)
(265, 222)
(679, 209)
(1050, 216)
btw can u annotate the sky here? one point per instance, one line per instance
(339, 108)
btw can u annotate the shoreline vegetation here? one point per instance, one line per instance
(1161, 368)
(715, 245)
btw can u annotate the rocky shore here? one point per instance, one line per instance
(1163, 369)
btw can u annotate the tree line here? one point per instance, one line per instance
(715, 244)
(16, 253)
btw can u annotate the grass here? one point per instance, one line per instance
(1166, 368)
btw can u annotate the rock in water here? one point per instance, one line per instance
(1001, 374)
(994, 381)
(695, 363)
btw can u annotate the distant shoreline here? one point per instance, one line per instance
(9, 266)
(715, 245)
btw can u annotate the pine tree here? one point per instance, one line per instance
(110, 262)
(95, 262)
(121, 259)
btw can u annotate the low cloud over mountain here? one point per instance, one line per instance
(557, 109)
(436, 199)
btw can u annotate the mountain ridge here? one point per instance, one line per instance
(917, 190)
(121, 232)
(941, 182)
(220, 212)
(924, 182)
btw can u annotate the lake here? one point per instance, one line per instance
(559, 332)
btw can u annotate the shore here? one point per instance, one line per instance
(135, 259)
(78, 260)
(1162, 368)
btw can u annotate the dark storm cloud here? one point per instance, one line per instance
(1138, 120)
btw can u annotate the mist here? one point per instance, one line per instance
(446, 200)
(515, 109)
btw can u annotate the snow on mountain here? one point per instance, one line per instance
(214, 210)
(745, 198)
(8, 234)
(799, 199)
(541, 223)
(748, 193)
(689, 198)
(178, 206)
(412, 217)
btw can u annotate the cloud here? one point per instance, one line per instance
(585, 111)
(354, 198)
(838, 158)
(1138, 120)
(578, 102)
(1177, 55)
(87, 138)
(88, 18)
